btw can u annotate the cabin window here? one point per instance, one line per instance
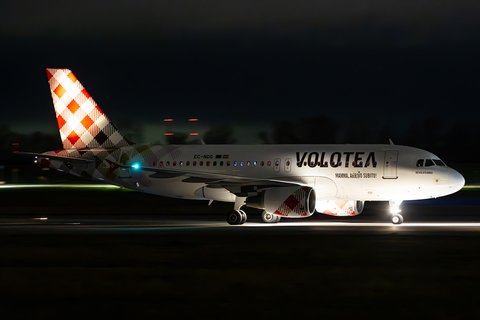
(161, 163)
(420, 163)
(228, 163)
(262, 163)
(188, 163)
(181, 163)
(269, 163)
(194, 163)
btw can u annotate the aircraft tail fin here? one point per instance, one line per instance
(81, 123)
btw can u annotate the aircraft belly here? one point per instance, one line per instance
(175, 188)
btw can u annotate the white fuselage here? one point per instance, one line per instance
(336, 172)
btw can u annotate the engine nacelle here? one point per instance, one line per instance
(340, 207)
(291, 202)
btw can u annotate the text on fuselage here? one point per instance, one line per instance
(336, 159)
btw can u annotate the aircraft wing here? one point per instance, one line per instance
(228, 181)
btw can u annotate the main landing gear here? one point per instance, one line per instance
(236, 217)
(269, 217)
(397, 218)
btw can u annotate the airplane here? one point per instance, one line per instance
(284, 181)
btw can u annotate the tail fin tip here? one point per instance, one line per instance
(82, 124)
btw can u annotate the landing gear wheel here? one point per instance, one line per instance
(235, 217)
(397, 219)
(269, 218)
(244, 216)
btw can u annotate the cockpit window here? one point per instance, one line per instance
(420, 163)
(439, 162)
(429, 163)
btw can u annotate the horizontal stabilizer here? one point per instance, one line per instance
(65, 159)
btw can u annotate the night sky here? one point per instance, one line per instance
(362, 65)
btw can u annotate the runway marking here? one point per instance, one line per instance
(20, 186)
(368, 224)
(471, 226)
(374, 227)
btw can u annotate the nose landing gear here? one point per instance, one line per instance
(397, 218)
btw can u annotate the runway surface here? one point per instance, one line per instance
(124, 253)
(98, 208)
(148, 224)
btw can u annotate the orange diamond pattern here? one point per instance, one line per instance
(61, 121)
(59, 91)
(87, 122)
(73, 138)
(73, 106)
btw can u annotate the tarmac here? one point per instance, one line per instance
(70, 251)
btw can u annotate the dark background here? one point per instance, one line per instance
(269, 72)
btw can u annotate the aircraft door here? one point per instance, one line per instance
(390, 164)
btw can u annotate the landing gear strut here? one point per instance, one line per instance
(397, 218)
(236, 217)
(269, 217)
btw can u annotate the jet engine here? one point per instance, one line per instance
(292, 202)
(340, 207)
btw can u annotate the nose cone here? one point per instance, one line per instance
(455, 181)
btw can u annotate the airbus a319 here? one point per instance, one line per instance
(289, 181)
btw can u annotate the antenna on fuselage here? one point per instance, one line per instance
(391, 142)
